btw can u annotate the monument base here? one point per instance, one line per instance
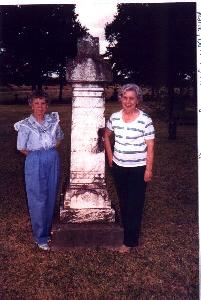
(87, 235)
(87, 215)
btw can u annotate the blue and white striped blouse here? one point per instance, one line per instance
(130, 149)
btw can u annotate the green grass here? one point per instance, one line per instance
(165, 266)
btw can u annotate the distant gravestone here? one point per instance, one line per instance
(86, 199)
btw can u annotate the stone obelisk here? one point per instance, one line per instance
(86, 199)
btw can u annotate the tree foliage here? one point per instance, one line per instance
(153, 43)
(36, 39)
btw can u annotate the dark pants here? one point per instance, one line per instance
(131, 187)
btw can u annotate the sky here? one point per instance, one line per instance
(94, 15)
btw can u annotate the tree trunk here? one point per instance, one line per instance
(61, 81)
(60, 90)
(36, 75)
(172, 121)
(38, 86)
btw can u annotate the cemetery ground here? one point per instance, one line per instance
(164, 266)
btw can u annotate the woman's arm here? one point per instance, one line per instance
(108, 148)
(59, 136)
(22, 137)
(150, 159)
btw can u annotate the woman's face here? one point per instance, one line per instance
(39, 107)
(129, 101)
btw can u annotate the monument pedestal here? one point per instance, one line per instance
(87, 203)
(87, 236)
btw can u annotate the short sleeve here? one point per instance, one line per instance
(22, 138)
(109, 124)
(149, 132)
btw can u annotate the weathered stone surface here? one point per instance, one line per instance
(87, 215)
(86, 199)
(88, 46)
(88, 66)
(87, 162)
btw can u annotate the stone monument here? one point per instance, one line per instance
(86, 199)
(86, 217)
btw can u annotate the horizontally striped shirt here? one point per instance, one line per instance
(130, 149)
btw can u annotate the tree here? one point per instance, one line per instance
(154, 44)
(38, 38)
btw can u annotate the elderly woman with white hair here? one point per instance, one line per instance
(131, 160)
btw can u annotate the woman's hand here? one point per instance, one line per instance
(58, 143)
(148, 175)
(108, 133)
(110, 161)
(25, 152)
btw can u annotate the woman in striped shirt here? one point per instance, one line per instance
(131, 161)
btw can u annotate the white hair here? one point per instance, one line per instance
(131, 87)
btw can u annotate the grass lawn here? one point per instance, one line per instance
(164, 266)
